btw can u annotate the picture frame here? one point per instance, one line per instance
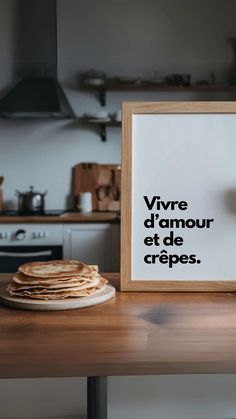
(193, 126)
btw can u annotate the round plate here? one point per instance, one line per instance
(68, 304)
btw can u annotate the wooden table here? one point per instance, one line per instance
(132, 334)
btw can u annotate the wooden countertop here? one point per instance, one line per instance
(132, 334)
(68, 217)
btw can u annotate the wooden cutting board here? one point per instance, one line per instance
(85, 180)
(102, 180)
(67, 304)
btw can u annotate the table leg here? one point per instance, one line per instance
(97, 397)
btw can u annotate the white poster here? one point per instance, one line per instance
(183, 197)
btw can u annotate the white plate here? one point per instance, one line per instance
(67, 304)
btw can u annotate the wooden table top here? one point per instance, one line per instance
(132, 334)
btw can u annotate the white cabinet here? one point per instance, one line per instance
(114, 248)
(96, 244)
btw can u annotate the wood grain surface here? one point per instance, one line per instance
(132, 334)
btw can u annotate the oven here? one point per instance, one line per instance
(21, 243)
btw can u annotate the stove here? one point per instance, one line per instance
(44, 213)
(27, 242)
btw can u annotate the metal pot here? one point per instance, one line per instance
(30, 201)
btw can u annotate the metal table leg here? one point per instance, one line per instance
(97, 397)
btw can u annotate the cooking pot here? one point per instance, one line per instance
(31, 200)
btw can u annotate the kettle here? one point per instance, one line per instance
(30, 201)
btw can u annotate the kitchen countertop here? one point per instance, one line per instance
(68, 217)
(135, 333)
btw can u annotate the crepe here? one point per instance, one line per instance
(56, 269)
(23, 279)
(55, 280)
(61, 284)
(31, 289)
(87, 289)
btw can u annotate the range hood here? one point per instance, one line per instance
(37, 93)
(36, 97)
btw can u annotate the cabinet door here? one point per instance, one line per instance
(89, 243)
(115, 248)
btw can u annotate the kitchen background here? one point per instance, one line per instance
(127, 38)
(147, 38)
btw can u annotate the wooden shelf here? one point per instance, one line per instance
(112, 85)
(101, 126)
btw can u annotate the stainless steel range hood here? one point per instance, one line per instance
(37, 93)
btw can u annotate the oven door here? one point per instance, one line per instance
(11, 257)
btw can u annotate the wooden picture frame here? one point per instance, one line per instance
(129, 111)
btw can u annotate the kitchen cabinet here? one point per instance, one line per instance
(93, 243)
(114, 257)
(97, 244)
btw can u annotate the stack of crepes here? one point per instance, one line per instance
(56, 280)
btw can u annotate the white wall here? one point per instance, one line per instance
(161, 397)
(145, 36)
(172, 397)
(51, 397)
(43, 153)
(141, 37)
